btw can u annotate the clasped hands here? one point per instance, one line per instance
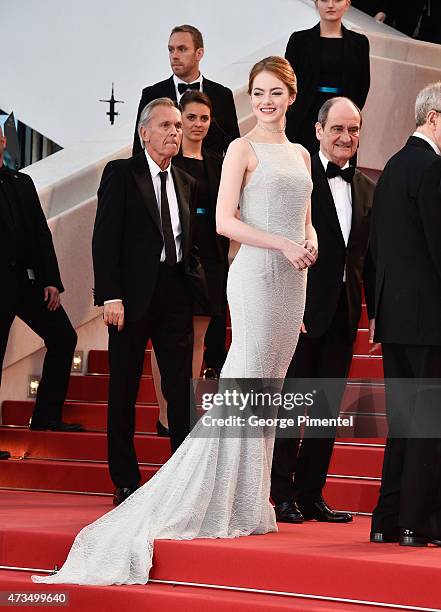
(302, 255)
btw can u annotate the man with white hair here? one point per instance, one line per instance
(406, 246)
(146, 276)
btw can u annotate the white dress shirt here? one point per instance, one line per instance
(177, 80)
(173, 205)
(427, 139)
(172, 202)
(342, 196)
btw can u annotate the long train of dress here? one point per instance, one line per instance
(217, 485)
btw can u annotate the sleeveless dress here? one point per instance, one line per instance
(216, 485)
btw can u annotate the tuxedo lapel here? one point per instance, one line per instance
(357, 207)
(323, 204)
(182, 189)
(170, 91)
(143, 178)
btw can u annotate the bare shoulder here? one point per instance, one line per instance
(240, 150)
(239, 146)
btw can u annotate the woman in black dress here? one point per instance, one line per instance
(329, 60)
(205, 167)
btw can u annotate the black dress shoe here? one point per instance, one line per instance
(210, 373)
(409, 537)
(56, 426)
(288, 512)
(121, 494)
(163, 432)
(385, 537)
(4, 454)
(320, 511)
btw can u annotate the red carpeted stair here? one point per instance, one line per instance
(317, 559)
(37, 528)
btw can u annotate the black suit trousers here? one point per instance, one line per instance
(168, 323)
(410, 493)
(301, 473)
(59, 338)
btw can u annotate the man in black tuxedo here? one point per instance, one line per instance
(146, 275)
(341, 204)
(406, 231)
(32, 287)
(186, 49)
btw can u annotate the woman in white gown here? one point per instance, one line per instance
(217, 485)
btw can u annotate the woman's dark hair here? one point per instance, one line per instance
(198, 97)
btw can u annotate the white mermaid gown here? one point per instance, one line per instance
(217, 486)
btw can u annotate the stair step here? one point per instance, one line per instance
(363, 366)
(93, 416)
(94, 388)
(78, 446)
(364, 319)
(353, 495)
(348, 566)
(347, 459)
(80, 476)
(366, 367)
(365, 403)
(362, 346)
(170, 598)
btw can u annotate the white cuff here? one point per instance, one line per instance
(110, 301)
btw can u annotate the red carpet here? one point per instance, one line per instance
(37, 528)
(313, 558)
(170, 598)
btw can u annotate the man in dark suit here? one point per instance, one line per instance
(186, 49)
(341, 204)
(406, 247)
(32, 287)
(146, 275)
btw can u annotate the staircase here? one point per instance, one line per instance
(55, 483)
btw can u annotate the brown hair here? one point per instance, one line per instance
(278, 66)
(194, 32)
(198, 97)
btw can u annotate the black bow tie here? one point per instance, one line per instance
(183, 87)
(332, 170)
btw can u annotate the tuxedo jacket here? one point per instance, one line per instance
(325, 277)
(223, 128)
(406, 246)
(40, 252)
(303, 53)
(213, 167)
(127, 237)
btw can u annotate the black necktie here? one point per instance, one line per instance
(183, 87)
(167, 230)
(333, 170)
